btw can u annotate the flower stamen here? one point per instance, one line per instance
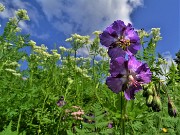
(123, 43)
(132, 81)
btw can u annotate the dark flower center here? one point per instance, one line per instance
(123, 43)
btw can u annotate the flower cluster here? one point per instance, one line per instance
(152, 97)
(126, 72)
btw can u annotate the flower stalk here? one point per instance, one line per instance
(123, 114)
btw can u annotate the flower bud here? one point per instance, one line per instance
(32, 43)
(156, 104)
(22, 14)
(150, 92)
(110, 125)
(2, 7)
(149, 101)
(172, 111)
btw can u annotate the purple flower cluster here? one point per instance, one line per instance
(126, 72)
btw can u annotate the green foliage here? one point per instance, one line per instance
(7, 131)
(177, 59)
(29, 97)
(95, 124)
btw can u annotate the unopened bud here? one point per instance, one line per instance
(156, 105)
(172, 111)
(150, 92)
(149, 101)
(22, 14)
(2, 7)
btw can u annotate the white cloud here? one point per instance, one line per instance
(83, 52)
(14, 5)
(24, 26)
(165, 67)
(73, 16)
(168, 57)
(135, 3)
(84, 17)
(65, 27)
(6, 13)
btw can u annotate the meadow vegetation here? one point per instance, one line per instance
(63, 93)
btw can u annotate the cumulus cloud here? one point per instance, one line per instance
(33, 13)
(72, 16)
(85, 17)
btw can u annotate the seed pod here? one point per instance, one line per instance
(172, 111)
(150, 91)
(149, 101)
(156, 104)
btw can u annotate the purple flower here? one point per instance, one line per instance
(127, 76)
(61, 102)
(110, 125)
(120, 39)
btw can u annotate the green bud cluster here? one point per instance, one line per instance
(152, 100)
(13, 72)
(156, 104)
(156, 34)
(2, 7)
(142, 33)
(62, 50)
(77, 41)
(162, 61)
(22, 14)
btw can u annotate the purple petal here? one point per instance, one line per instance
(133, 64)
(106, 39)
(112, 32)
(130, 92)
(115, 84)
(116, 52)
(144, 74)
(132, 35)
(133, 48)
(129, 25)
(119, 27)
(118, 67)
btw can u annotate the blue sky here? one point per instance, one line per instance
(52, 21)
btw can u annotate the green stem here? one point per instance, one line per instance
(18, 126)
(58, 125)
(93, 68)
(123, 113)
(41, 115)
(76, 88)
